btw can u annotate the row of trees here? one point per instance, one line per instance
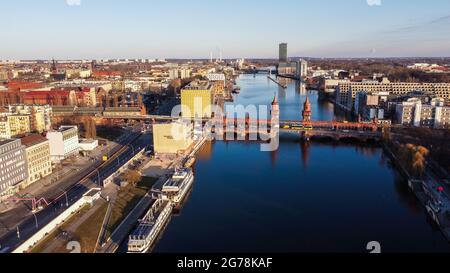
(86, 123)
(413, 158)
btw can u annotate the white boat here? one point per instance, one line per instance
(177, 187)
(150, 227)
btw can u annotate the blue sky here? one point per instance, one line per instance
(33, 29)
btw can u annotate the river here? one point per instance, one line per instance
(305, 197)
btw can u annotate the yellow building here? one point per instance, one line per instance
(14, 125)
(37, 149)
(172, 138)
(197, 99)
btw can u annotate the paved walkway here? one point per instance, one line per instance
(71, 228)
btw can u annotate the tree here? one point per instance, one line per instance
(133, 177)
(93, 128)
(115, 100)
(90, 128)
(139, 99)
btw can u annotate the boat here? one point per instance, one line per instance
(190, 162)
(143, 238)
(177, 187)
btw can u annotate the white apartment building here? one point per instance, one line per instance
(63, 143)
(346, 92)
(414, 113)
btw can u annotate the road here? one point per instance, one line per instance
(89, 179)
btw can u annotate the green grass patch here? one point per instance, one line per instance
(127, 199)
(49, 239)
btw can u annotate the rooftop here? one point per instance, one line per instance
(6, 141)
(198, 85)
(32, 140)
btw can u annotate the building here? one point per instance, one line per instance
(41, 115)
(330, 85)
(39, 164)
(183, 73)
(283, 53)
(13, 166)
(301, 69)
(173, 74)
(88, 145)
(197, 99)
(219, 82)
(346, 92)
(4, 75)
(371, 105)
(172, 138)
(12, 125)
(414, 112)
(63, 143)
(287, 68)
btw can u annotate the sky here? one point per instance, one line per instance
(190, 29)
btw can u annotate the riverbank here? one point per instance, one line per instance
(426, 192)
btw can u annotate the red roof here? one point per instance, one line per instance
(32, 140)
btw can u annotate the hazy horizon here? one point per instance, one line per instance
(177, 29)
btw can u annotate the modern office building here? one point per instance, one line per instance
(39, 164)
(63, 143)
(13, 166)
(415, 113)
(283, 53)
(172, 138)
(197, 99)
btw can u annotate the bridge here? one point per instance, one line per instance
(307, 128)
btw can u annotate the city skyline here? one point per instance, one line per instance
(96, 29)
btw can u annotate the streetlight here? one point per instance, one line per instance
(35, 219)
(98, 177)
(67, 199)
(132, 148)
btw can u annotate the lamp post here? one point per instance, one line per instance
(36, 221)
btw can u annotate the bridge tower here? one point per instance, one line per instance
(307, 114)
(275, 113)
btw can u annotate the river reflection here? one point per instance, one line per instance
(304, 197)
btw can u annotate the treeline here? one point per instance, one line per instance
(396, 71)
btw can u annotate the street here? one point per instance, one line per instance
(31, 222)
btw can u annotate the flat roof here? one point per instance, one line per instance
(32, 140)
(6, 141)
(198, 85)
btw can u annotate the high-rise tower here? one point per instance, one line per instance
(283, 54)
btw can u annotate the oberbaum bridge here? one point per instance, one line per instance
(306, 128)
